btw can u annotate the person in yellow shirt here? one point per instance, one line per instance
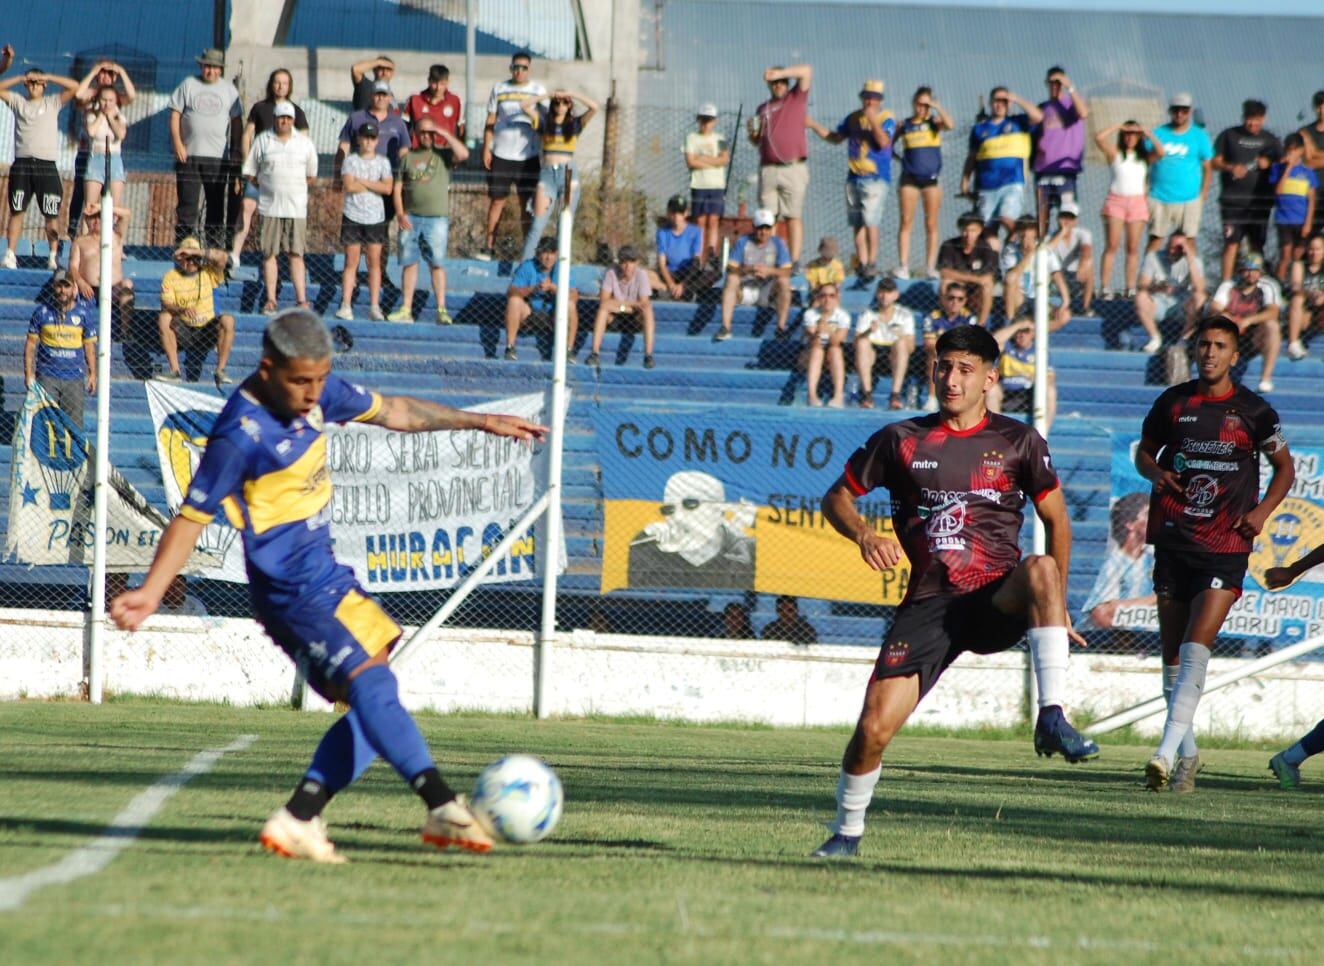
(188, 316)
(826, 268)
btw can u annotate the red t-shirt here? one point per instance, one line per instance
(957, 497)
(445, 113)
(783, 121)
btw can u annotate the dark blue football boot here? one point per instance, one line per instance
(1054, 734)
(838, 847)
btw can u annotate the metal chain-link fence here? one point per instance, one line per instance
(694, 467)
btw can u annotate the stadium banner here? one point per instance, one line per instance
(51, 497)
(703, 500)
(1295, 528)
(409, 512)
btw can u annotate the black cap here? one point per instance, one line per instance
(677, 203)
(368, 130)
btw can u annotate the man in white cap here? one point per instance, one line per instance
(282, 163)
(1180, 160)
(757, 273)
(1074, 248)
(707, 155)
(206, 129)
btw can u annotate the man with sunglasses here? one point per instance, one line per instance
(511, 149)
(33, 175)
(995, 163)
(61, 348)
(1179, 177)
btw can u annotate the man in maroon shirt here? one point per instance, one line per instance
(958, 480)
(437, 102)
(1200, 446)
(777, 129)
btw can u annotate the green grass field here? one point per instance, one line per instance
(678, 843)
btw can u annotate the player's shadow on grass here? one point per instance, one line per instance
(42, 827)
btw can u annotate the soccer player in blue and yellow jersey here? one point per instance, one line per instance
(999, 151)
(265, 469)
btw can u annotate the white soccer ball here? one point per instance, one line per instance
(519, 798)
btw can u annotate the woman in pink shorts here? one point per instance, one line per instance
(1125, 208)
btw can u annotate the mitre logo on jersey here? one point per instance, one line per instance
(944, 524)
(923, 464)
(1201, 492)
(990, 465)
(895, 653)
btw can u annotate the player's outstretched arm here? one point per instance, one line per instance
(406, 414)
(132, 607)
(879, 552)
(1276, 578)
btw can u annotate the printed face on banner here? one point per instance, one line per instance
(701, 539)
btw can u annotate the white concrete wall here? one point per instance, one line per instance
(212, 659)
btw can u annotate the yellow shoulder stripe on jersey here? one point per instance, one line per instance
(197, 516)
(292, 493)
(1014, 144)
(372, 411)
(921, 137)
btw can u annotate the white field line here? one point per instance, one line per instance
(871, 937)
(123, 829)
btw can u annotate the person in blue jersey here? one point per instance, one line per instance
(1294, 185)
(265, 468)
(995, 165)
(1014, 390)
(60, 351)
(868, 134)
(919, 143)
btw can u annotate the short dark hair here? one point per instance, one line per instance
(972, 339)
(1027, 221)
(1124, 510)
(1055, 69)
(1220, 323)
(1294, 140)
(1318, 99)
(992, 95)
(439, 72)
(521, 55)
(968, 218)
(545, 245)
(1253, 108)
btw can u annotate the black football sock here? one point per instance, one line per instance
(432, 788)
(308, 800)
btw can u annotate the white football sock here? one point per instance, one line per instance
(1049, 652)
(1296, 755)
(1185, 698)
(1188, 748)
(854, 792)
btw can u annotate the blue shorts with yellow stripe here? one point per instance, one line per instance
(330, 635)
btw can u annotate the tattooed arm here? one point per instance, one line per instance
(409, 415)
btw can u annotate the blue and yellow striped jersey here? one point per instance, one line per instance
(865, 158)
(1292, 200)
(1016, 366)
(1001, 150)
(270, 478)
(60, 338)
(920, 142)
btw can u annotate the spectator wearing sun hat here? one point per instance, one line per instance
(758, 272)
(206, 129)
(707, 155)
(868, 133)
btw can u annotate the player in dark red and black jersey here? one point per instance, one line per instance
(958, 480)
(1200, 446)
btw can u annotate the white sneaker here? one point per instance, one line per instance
(345, 313)
(1183, 776)
(287, 836)
(1266, 385)
(455, 824)
(53, 260)
(234, 260)
(1153, 345)
(375, 314)
(1156, 774)
(901, 271)
(10, 260)
(1296, 351)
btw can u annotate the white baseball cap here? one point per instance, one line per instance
(1070, 208)
(763, 218)
(283, 109)
(707, 109)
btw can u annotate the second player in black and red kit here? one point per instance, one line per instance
(959, 480)
(1200, 446)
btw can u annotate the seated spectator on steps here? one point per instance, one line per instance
(1251, 301)
(735, 623)
(625, 297)
(826, 268)
(951, 312)
(970, 260)
(85, 261)
(1171, 288)
(1074, 248)
(188, 318)
(531, 298)
(1307, 297)
(758, 273)
(826, 325)
(884, 332)
(680, 273)
(1014, 391)
(790, 625)
(1017, 262)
